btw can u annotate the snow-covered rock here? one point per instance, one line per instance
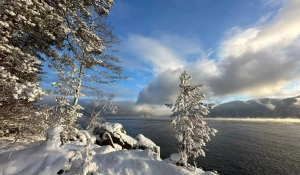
(113, 133)
(116, 128)
(144, 141)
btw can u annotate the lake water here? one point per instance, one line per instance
(240, 147)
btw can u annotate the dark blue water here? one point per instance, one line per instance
(240, 147)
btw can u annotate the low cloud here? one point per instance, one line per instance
(162, 89)
(130, 109)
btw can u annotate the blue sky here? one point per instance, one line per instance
(240, 49)
(205, 19)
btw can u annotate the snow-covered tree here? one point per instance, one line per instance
(188, 125)
(66, 112)
(86, 61)
(29, 30)
(33, 31)
(101, 105)
(87, 57)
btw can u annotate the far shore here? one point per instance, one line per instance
(284, 120)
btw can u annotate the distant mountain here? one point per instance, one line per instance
(263, 108)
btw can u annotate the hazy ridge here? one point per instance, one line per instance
(262, 108)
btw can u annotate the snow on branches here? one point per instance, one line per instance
(188, 125)
(33, 31)
(84, 64)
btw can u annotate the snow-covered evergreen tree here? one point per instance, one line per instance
(188, 125)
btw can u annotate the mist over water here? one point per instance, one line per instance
(240, 147)
(270, 120)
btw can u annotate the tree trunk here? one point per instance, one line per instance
(183, 150)
(77, 92)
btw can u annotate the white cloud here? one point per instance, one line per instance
(273, 3)
(288, 92)
(261, 60)
(279, 33)
(154, 52)
(264, 19)
(256, 61)
(237, 42)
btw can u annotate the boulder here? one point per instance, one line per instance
(113, 134)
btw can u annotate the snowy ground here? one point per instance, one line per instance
(48, 157)
(7, 144)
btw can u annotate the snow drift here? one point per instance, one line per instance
(44, 159)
